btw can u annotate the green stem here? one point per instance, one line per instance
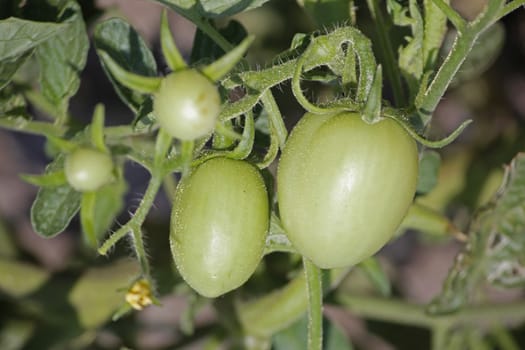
(427, 101)
(121, 131)
(275, 117)
(315, 305)
(397, 311)
(508, 8)
(454, 17)
(134, 225)
(439, 337)
(391, 68)
(430, 99)
(31, 127)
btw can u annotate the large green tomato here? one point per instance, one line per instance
(344, 186)
(187, 105)
(88, 169)
(218, 225)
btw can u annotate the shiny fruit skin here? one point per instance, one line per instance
(88, 169)
(187, 105)
(344, 186)
(219, 224)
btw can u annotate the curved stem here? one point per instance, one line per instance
(298, 92)
(134, 225)
(315, 305)
(429, 143)
(274, 117)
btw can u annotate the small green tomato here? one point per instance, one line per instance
(187, 105)
(218, 225)
(87, 169)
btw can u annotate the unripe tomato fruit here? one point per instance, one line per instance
(88, 169)
(344, 186)
(218, 225)
(187, 104)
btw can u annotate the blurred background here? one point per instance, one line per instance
(56, 294)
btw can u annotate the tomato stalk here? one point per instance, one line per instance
(315, 305)
(428, 99)
(134, 225)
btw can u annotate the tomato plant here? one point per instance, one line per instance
(88, 169)
(219, 224)
(338, 175)
(264, 225)
(187, 104)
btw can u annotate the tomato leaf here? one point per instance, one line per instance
(204, 48)
(377, 275)
(326, 13)
(54, 207)
(63, 57)
(100, 208)
(211, 8)
(411, 59)
(18, 279)
(15, 333)
(435, 28)
(98, 293)
(494, 251)
(12, 102)
(18, 39)
(10, 65)
(56, 178)
(123, 44)
(429, 164)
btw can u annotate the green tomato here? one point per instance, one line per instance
(88, 169)
(344, 186)
(218, 225)
(187, 105)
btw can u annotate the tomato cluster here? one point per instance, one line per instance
(343, 188)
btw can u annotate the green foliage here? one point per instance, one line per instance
(429, 163)
(54, 206)
(213, 8)
(295, 337)
(95, 297)
(495, 241)
(121, 42)
(19, 279)
(63, 57)
(18, 39)
(333, 69)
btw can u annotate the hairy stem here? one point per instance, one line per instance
(315, 305)
(427, 101)
(134, 225)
